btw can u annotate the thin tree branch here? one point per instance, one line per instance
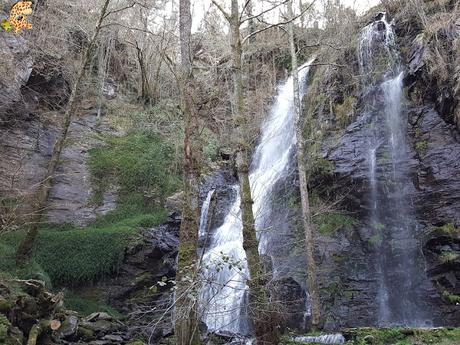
(244, 8)
(124, 8)
(277, 24)
(131, 28)
(221, 9)
(261, 13)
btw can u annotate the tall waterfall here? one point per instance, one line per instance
(224, 295)
(392, 218)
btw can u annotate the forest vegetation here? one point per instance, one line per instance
(229, 171)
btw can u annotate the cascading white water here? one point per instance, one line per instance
(391, 216)
(225, 268)
(204, 214)
(382, 33)
(321, 339)
(272, 156)
(225, 272)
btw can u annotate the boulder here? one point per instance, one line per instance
(69, 327)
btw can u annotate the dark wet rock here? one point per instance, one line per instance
(135, 290)
(346, 258)
(224, 195)
(292, 299)
(441, 86)
(145, 264)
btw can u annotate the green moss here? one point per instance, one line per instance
(421, 147)
(447, 257)
(8, 269)
(452, 298)
(68, 256)
(142, 168)
(186, 255)
(448, 228)
(378, 226)
(86, 303)
(330, 222)
(344, 111)
(375, 240)
(322, 166)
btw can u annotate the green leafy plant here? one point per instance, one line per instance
(448, 228)
(447, 257)
(330, 222)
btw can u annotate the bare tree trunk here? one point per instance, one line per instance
(251, 23)
(302, 16)
(25, 248)
(187, 321)
(145, 87)
(305, 204)
(259, 308)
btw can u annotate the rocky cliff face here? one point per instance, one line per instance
(347, 258)
(347, 261)
(25, 152)
(31, 101)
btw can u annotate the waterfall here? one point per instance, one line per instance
(392, 219)
(225, 271)
(204, 214)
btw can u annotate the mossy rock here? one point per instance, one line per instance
(85, 333)
(136, 342)
(5, 305)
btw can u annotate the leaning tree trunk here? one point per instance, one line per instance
(187, 321)
(302, 170)
(259, 308)
(25, 248)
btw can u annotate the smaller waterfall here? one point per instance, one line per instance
(225, 272)
(392, 220)
(376, 46)
(205, 214)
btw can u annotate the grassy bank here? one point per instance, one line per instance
(142, 168)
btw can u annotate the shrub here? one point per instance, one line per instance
(421, 147)
(448, 228)
(447, 257)
(330, 222)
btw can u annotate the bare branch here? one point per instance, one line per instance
(123, 8)
(277, 24)
(222, 10)
(262, 13)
